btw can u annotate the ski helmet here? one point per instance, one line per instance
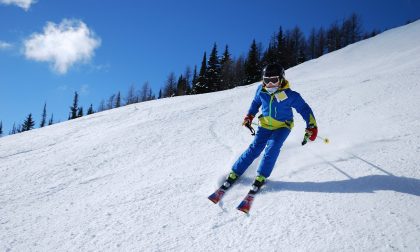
(273, 69)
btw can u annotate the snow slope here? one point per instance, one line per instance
(137, 178)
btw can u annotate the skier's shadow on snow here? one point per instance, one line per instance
(366, 184)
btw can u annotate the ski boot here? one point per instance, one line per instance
(246, 203)
(218, 194)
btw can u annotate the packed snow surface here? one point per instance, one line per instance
(137, 178)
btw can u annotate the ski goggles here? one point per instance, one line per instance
(272, 79)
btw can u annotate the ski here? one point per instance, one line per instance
(217, 195)
(246, 203)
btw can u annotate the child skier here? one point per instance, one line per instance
(276, 121)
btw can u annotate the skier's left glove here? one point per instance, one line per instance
(311, 132)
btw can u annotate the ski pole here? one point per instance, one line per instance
(306, 137)
(326, 140)
(248, 125)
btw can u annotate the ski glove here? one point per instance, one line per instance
(248, 120)
(312, 132)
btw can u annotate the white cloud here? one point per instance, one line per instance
(5, 45)
(62, 45)
(24, 4)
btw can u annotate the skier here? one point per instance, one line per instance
(275, 123)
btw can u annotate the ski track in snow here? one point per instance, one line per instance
(137, 178)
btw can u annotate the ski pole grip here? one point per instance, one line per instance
(305, 139)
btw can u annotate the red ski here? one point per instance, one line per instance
(217, 195)
(245, 205)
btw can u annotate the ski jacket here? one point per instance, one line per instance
(276, 111)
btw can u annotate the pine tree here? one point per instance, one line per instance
(44, 116)
(151, 96)
(312, 44)
(13, 130)
(111, 102)
(239, 76)
(117, 101)
(101, 106)
(320, 42)
(74, 108)
(170, 86)
(80, 112)
(201, 86)
(297, 45)
(90, 110)
(252, 64)
(1, 128)
(213, 71)
(333, 38)
(131, 96)
(181, 86)
(145, 92)
(187, 78)
(28, 124)
(227, 71)
(280, 48)
(51, 121)
(194, 80)
(160, 94)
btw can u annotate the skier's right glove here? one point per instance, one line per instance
(248, 120)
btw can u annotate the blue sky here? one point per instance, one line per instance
(120, 43)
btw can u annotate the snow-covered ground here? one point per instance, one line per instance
(137, 178)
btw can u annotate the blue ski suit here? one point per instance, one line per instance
(276, 122)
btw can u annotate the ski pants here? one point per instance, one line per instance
(271, 140)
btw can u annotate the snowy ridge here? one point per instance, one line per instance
(137, 178)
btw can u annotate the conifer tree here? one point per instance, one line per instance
(80, 112)
(270, 55)
(194, 80)
(101, 106)
(117, 101)
(227, 72)
(201, 84)
(44, 116)
(145, 92)
(312, 44)
(333, 38)
(170, 86)
(280, 48)
(74, 108)
(252, 64)
(13, 130)
(1, 128)
(239, 72)
(181, 86)
(90, 110)
(131, 96)
(111, 102)
(160, 94)
(297, 45)
(351, 30)
(213, 72)
(51, 121)
(187, 78)
(28, 124)
(320, 42)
